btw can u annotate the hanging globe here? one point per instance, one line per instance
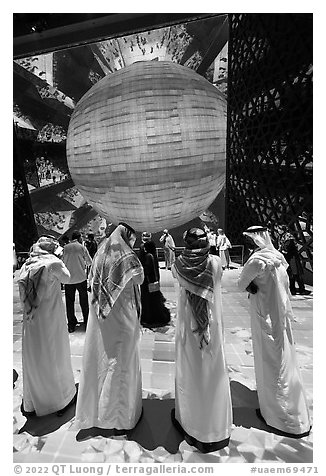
(146, 145)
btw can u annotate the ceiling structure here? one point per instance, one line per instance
(50, 75)
(39, 33)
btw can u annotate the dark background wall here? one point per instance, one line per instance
(269, 144)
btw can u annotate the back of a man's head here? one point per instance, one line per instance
(76, 235)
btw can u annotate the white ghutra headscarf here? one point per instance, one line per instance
(262, 239)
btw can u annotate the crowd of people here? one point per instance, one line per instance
(119, 291)
(48, 173)
(166, 43)
(219, 245)
(50, 220)
(51, 132)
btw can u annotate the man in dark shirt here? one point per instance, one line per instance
(91, 245)
(289, 248)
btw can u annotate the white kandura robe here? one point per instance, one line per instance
(110, 389)
(202, 390)
(48, 380)
(280, 390)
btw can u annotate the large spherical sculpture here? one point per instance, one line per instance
(146, 145)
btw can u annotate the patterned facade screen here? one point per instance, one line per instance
(269, 146)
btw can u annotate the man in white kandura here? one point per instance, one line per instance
(110, 389)
(203, 410)
(282, 400)
(48, 380)
(168, 248)
(222, 245)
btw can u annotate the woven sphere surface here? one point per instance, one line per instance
(146, 145)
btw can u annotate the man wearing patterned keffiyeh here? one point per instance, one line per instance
(203, 410)
(110, 389)
(194, 267)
